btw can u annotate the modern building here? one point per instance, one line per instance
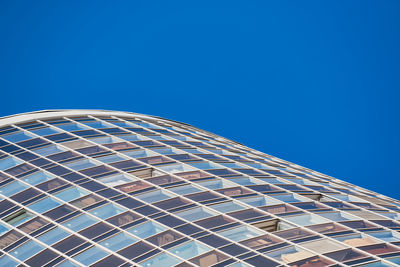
(105, 188)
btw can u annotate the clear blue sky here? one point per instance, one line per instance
(313, 82)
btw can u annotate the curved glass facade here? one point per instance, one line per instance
(103, 188)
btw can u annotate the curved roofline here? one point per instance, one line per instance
(54, 113)
(51, 113)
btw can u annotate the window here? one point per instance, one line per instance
(18, 137)
(38, 177)
(49, 150)
(162, 259)
(184, 190)
(9, 162)
(154, 196)
(44, 205)
(107, 211)
(80, 164)
(195, 214)
(227, 207)
(190, 249)
(147, 229)
(290, 254)
(71, 194)
(116, 179)
(18, 217)
(118, 241)
(26, 250)
(80, 222)
(241, 233)
(12, 188)
(90, 256)
(53, 236)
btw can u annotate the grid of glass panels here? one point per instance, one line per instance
(113, 190)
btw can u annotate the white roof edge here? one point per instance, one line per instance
(46, 114)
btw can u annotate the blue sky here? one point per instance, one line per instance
(313, 82)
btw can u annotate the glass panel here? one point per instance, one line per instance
(12, 188)
(290, 254)
(90, 256)
(72, 127)
(323, 245)
(80, 164)
(118, 241)
(356, 240)
(45, 131)
(110, 158)
(117, 179)
(190, 250)
(7, 261)
(107, 211)
(291, 198)
(26, 250)
(227, 207)
(38, 177)
(18, 136)
(154, 196)
(306, 219)
(175, 168)
(204, 165)
(241, 233)
(9, 162)
(71, 193)
(49, 150)
(185, 189)
(53, 236)
(18, 217)
(196, 214)
(337, 216)
(162, 259)
(217, 184)
(259, 201)
(387, 236)
(44, 205)
(147, 229)
(3, 229)
(139, 153)
(80, 222)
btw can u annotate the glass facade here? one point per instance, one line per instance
(104, 188)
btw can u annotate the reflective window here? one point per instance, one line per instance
(147, 229)
(44, 205)
(18, 137)
(175, 168)
(387, 236)
(26, 250)
(80, 222)
(12, 188)
(49, 150)
(53, 236)
(38, 177)
(195, 214)
(118, 241)
(45, 131)
(184, 190)
(80, 164)
(162, 259)
(241, 233)
(9, 162)
(190, 250)
(91, 255)
(116, 179)
(71, 194)
(107, 211)
(227, 207)
(154, 196)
